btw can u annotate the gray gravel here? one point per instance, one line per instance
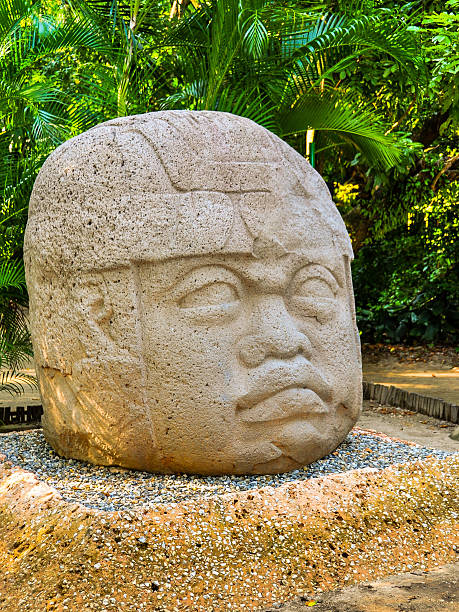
(111, 488)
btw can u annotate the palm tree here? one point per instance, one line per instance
(39, 106)
(38, 111)
(130, 79)
(37, 102)
(15, 345)
(286, 69)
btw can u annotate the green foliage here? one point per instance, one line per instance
(37, 112)
(15, 345)
(132, 77)
(34, 105)
(443, 51)
(407, 284)
(290, 64)
(344, 119)
(374, 81)
(403, 222)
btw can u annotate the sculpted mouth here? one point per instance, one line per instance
(289, 403)
(285, 391)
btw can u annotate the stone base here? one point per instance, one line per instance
(235, 552)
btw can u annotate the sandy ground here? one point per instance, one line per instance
(425, 379)
(434, 591)
(408, 425)
(431, 372)
(30, 395)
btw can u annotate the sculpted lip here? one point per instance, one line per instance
(286, 404)
(301, 375)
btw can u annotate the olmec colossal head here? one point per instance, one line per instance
(191, 299)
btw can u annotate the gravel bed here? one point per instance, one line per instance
(113, 488)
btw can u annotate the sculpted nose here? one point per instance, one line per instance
(273, 334)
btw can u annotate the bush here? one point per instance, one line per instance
(407, 283)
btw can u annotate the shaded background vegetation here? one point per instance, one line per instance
(368, 87)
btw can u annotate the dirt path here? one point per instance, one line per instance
(431, 372)
(442, 383)
(408, 425)
(434, 591)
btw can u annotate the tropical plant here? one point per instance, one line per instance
(287, 68)
(346, 78)
(38, 110)
(442, 28)
(132, 77)
(406, 280)
(37, 105)
(15, 344)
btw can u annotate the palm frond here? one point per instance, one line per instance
(255, 38)
(12, 274)
(191, 31)
(146, 16)
(15, 343)
(343, 117)
(250, 105)
(333, 38)
(14, 382)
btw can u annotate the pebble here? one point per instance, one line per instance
(112, 488)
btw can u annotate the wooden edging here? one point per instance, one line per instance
(394, 396)
(20, 415)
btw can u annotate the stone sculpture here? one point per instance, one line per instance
(191, 300)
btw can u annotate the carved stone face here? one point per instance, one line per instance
(231, 348)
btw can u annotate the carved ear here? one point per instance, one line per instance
(91, 298)
(94, 302)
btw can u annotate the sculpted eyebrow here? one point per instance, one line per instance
(335, 265)
(335, 268)
(166, 277)
(335, 271)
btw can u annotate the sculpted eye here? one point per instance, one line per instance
(209, 294)
(314, 281)
(213, 294)
(314, 287)
(313, 293)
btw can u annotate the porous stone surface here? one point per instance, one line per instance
(191, 299)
